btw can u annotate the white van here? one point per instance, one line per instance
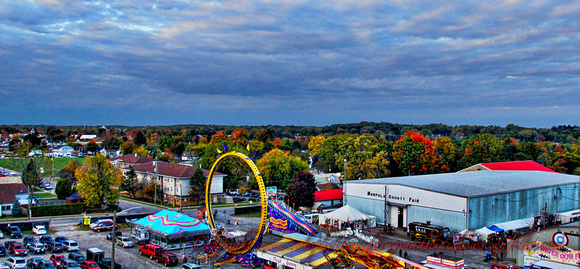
(99, 222)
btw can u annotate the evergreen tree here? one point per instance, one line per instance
(16, 209)
(197, 185)
(130, 182)
(63, 189)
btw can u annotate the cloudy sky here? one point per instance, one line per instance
(290, 62)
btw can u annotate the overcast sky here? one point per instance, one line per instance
(290, 62)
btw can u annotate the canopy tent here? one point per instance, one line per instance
(515, 224)
(171, 224)
(347, 213)
(485, 232)
(568, 216)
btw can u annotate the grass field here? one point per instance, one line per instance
(44, 195)
(59, 163)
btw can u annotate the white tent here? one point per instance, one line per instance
(347, 213)
(485, 232)
(566, 217)
(516, 224)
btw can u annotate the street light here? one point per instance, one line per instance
(114, 236)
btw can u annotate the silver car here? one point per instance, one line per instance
(70, 246)
(124, 241)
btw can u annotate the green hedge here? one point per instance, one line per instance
(55, 210)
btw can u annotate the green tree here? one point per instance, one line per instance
(481, 148)
(16, 209)
(140, 139)
(149, 191)
(197, 186)
(98, 182)
(63, 189)
(165, 142)
(130, 182)
(301, 190)
(414, 153)
(278, 168)
(31, 178)
(92, 146)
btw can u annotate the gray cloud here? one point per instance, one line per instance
(291, 62)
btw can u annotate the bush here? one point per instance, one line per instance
(55, 210)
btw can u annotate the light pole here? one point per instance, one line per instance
(114, 235)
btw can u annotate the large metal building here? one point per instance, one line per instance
(468, 200)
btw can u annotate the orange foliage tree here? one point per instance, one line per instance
(414, 153)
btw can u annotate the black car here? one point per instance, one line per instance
(15, 232)
(2, 250)
(45, 239)
(110, 234)
(76, 257)
(29, 239)
(54, 247)
(8, 243)
(34, 263)
(60, 239)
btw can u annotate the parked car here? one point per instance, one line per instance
(60, 239)
(16, 262)
(47, 186)
(110, 234)
(39, 230)
(46, 264)
(3, 250)
(89, 265)
(54, 247)
(17, 249)
(151, 250)
(93, 224)
(36, 248)
(56, 259)
(124, 241)
(76, 257)
(45, 239)
(106, 263)
(7, 243)
(190, 265)
(1, 234)
(4, 266)
(70, 246)
(34, 263)
(69, 264)
(167, 259)
(103, 226)
(15, 232)
(27, 240)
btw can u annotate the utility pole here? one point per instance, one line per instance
(344, 184)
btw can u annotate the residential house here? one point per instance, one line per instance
(327, 198)
(8, 195)
(124, 161)
(61, 151)
(174, 179)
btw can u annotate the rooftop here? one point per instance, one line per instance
(481, 183)
(513, 166)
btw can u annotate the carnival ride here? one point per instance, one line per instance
(225, 247)
(350, 255)
(288, 215)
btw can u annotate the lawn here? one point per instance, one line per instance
(41, 195)
(59, 163)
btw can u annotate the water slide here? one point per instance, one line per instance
(283, 209)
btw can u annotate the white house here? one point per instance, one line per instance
(61, 151)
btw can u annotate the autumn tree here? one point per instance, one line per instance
(301, 190)
(240, 136)
(218, 138)
(446, 153)
(128, 147)
(278, 168)
(480, 148)
(98, 182)
(69, 170)
(92, 146)
(364, 157)
(197, 186)
(414, 153)
(130, 182)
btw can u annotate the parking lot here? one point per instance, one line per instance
(127, 257)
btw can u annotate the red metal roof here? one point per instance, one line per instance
(328, 195)
(170, 169)
(517, 166)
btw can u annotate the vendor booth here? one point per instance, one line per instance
(347, 217)
(171, 229)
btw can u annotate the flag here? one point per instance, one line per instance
(225, 146)
(219, 151)
(248, 147)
